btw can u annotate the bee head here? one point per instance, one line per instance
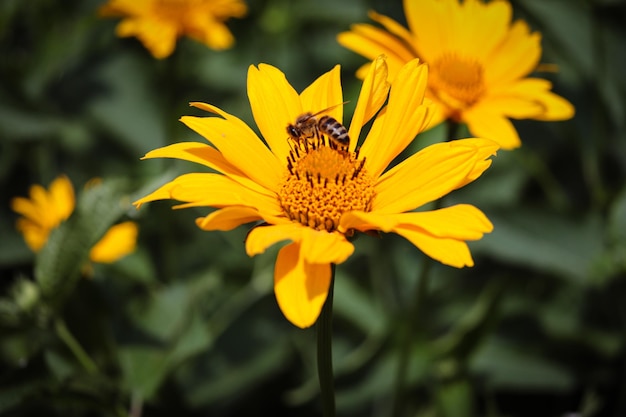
(293, 131)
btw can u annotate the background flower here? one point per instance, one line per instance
(44, 211)
(159, 23)
(479, 63)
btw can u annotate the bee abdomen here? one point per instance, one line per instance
(335, 130)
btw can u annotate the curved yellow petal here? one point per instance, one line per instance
(492, 124)
(206, 155)
(274, 104)
(448, 251)
(424, 19)
(301, 288)
(432, 173)
(209, 31)
(515, 57)
(371, 42)
(262, 237)
(212, 190)
(461, 222)
(325, 93)
(481, 27)
(398, 30)
(373, 95)
(35, 235)
(228, 218)
(62, 196)
(403, 118)
(119, 241)
(239, 145)
(317, 247)
(158, 36)
(536, 91)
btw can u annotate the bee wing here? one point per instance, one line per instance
(329, 109)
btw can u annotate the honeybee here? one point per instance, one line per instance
(308, 126)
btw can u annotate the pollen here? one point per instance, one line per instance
(322, 183)
(457, 80)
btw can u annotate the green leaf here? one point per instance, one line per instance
(59, 264)
(144, 368)
(545, 241)
(508, 367)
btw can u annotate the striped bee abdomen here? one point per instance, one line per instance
(334, 130)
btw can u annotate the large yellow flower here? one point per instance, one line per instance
(159, 23)
(46, 209)
(478, 62)
(315, 194)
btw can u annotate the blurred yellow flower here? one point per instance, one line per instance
(478, 62)
(316, 194)
(46, 209)
(159, 23)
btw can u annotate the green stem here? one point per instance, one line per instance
(325, 352)
(70, 341)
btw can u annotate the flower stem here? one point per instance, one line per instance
(70, 341)
(325, 351)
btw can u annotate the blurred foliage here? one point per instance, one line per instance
(188, 324)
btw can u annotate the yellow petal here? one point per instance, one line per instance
(403, 118)
(274, 104)
(322, 247)
(239, 145)
(212, 190)
(158, 36)
(371, 42)
(301, 288)
(491, 124)
(536, 91)
(481, 27)
(119, 241)
(210, 32)
(62, 196)
(398, 30)
(228, 218)
(35, 235)
(448, 251)
(319, 247)
(324, 93)
(426, 21)
(206, 155)
(432, 173)
(461, 222)
(371, 98)
(262, 237)
(515, 57)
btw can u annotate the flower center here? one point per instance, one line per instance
(322, 183)
(457, 80)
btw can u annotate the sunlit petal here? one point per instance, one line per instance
(119, 241)
(404, 118)
(301, 288)
(442, 168)
(274, 104)
(371, 98)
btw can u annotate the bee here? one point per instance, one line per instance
(308, 126)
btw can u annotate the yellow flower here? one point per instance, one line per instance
(46, 209)
(159, 23)
(478, 63)
(315, 194)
